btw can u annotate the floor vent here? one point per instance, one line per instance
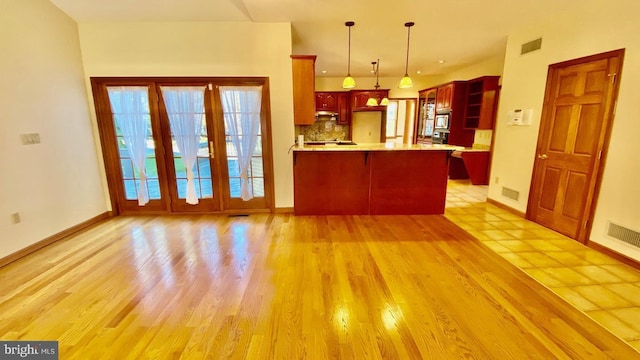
(531, 46)
(624, 234)
(510, 193)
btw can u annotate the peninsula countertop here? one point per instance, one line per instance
(376, 147)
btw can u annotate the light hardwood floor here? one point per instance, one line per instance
(286, 287)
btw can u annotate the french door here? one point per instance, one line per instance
(185, 145)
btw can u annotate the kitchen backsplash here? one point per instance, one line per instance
(323, 130)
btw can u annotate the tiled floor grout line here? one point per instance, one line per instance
(574, 264)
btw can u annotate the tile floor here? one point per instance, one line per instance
(604, 288)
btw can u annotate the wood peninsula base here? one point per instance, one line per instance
(377, 182)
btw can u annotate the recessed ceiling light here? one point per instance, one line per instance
(418, 72)
(441, 61)
(324, 71)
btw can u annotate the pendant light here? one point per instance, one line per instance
(349, 82)
(372, 101)
(406, 82)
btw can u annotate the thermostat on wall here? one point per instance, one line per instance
(520, 117)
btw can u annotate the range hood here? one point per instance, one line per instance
(326, 115)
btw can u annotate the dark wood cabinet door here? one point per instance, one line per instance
(444, 97)
(408, 182)
(344, 115)
(326, 101)
(328, 182)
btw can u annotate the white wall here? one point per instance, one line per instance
(56, 184)
(203, 49)
(491, 66)
(599, 27)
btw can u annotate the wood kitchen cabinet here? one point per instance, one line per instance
(359, 99)
(370, 182)
(426, 116)
(481, 102)
(331, 183)
(344, 113)
(304, 88)
(458, 135)
(326, 101)
(444, 97)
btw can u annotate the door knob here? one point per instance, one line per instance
(542, 156)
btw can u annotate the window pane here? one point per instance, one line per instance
(257, 151)
(130, 190)
(207, 189)
(154, 189)
(127, 168)
(256, 167)
(151, 168)
(258, 187)
(182, 188)
(205, 167)
(234, 168)
(181, 171)
(234, 187)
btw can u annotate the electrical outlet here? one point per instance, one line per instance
(497, 180)
(15, 218)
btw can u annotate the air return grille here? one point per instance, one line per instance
(624, 234)
(531, 46)
(510, 193)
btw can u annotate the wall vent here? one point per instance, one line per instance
(531, 46)
(624, 234)
(510, 193)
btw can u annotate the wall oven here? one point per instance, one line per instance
(441, 129)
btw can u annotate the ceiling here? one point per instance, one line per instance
(460, 32)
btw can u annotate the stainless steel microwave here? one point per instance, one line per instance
(442, 121)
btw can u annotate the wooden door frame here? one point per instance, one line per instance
(602, 144)
(107, 136)
(267, 156)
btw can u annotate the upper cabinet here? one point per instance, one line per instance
(359, 99)
(426, 116)
(327, 101)
(444, 98)
(304, 87)
(481, 102)
(344, 113)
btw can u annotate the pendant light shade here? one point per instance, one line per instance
(406, 82)
(349, 82)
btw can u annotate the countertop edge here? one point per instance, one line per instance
(377, 147)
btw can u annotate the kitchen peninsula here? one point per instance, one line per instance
(372, 179)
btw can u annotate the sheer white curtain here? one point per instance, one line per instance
(129, 105)
(185, 108)
(241, 107)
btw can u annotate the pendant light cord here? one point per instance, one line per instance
(349, 55)
(406, 67)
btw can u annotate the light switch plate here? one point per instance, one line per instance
(30, 139)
